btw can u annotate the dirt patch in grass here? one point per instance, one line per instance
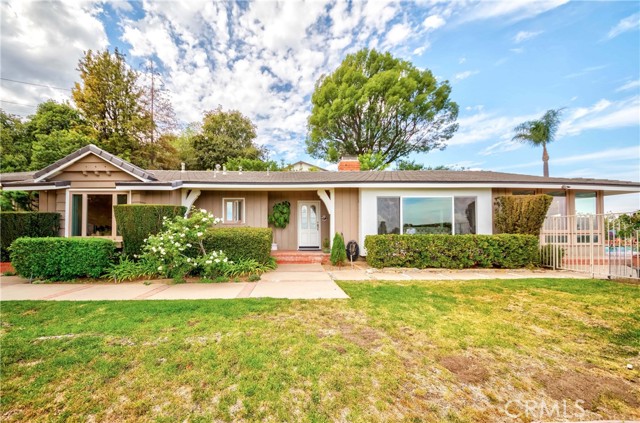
(467, 369)
(589, 388)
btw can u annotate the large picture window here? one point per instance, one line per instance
(92, 213)
(426, 215)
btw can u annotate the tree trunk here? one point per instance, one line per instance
(545, 161)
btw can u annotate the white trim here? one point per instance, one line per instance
(82, 156)
(224, 211)
(84, 192)
(189, 200)
(379, 185)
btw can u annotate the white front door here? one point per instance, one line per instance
(309, 224)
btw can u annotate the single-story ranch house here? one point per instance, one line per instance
(84, 186)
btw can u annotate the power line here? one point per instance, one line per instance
(18, 104)
(34, 84)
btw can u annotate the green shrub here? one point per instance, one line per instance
(452, 251)
(521, 214)
(62, 258)
(14, 225)
(137, 221)
(338, 251)
(241, 243)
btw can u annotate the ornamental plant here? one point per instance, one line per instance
(179, 249)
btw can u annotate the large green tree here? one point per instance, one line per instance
(224, 135)
(539, 133)
(15, 144)
(56, 130)
(110, 100)
(376, 103)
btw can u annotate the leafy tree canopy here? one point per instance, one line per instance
(110, 101)
(15, 144)
(372, 161)
(376, 103)
(252, 164)
(225, 135)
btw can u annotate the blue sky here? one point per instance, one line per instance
(507, 62)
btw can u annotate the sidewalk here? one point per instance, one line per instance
(292, 281)
(288, 281)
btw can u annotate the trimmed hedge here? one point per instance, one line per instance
(452, 251)
(521, 214)
(14, 225)
(241, 243)
(60, 259)
(137, 221)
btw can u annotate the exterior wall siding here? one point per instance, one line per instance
(347, 209)
(369, 206)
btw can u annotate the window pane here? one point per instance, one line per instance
(76, 215)
(586, 205)
(465, 215)
(426, 215)
(523, 192)
(229, 211)
(303, 217)
(312, 217)
(239, 210)
(122, 198)
(388, 215)
(99, 214)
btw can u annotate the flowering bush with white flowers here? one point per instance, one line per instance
(178, 250)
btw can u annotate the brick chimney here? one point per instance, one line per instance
(349, 164)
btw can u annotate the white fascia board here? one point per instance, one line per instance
(61, 168)
(419, 185)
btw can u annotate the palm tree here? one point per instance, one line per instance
(540, 133)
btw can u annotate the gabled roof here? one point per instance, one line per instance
(125, 166)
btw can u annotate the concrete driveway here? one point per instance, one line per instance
(288, 281)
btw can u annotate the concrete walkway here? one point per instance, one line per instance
(288, 281)
(293, 281)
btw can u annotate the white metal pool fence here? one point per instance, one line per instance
(603, 245)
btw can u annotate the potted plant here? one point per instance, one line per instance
(279, 217)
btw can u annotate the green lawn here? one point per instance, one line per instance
(418, 351)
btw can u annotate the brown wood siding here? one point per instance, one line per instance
(156, 197)
(255, 205)
(287, 238)
(347, 208)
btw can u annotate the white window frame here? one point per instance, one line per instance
(224, 210)
(84, 193)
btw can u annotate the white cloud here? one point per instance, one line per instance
(42, 43)
(397, 34)
(486, 126)
(510, 10)
(627, 24)
(433, 22)
(586, 71)
(631, 85)
(462, 60)
(464, 75)
(525, 35)
(604, 114)
(517, 50)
